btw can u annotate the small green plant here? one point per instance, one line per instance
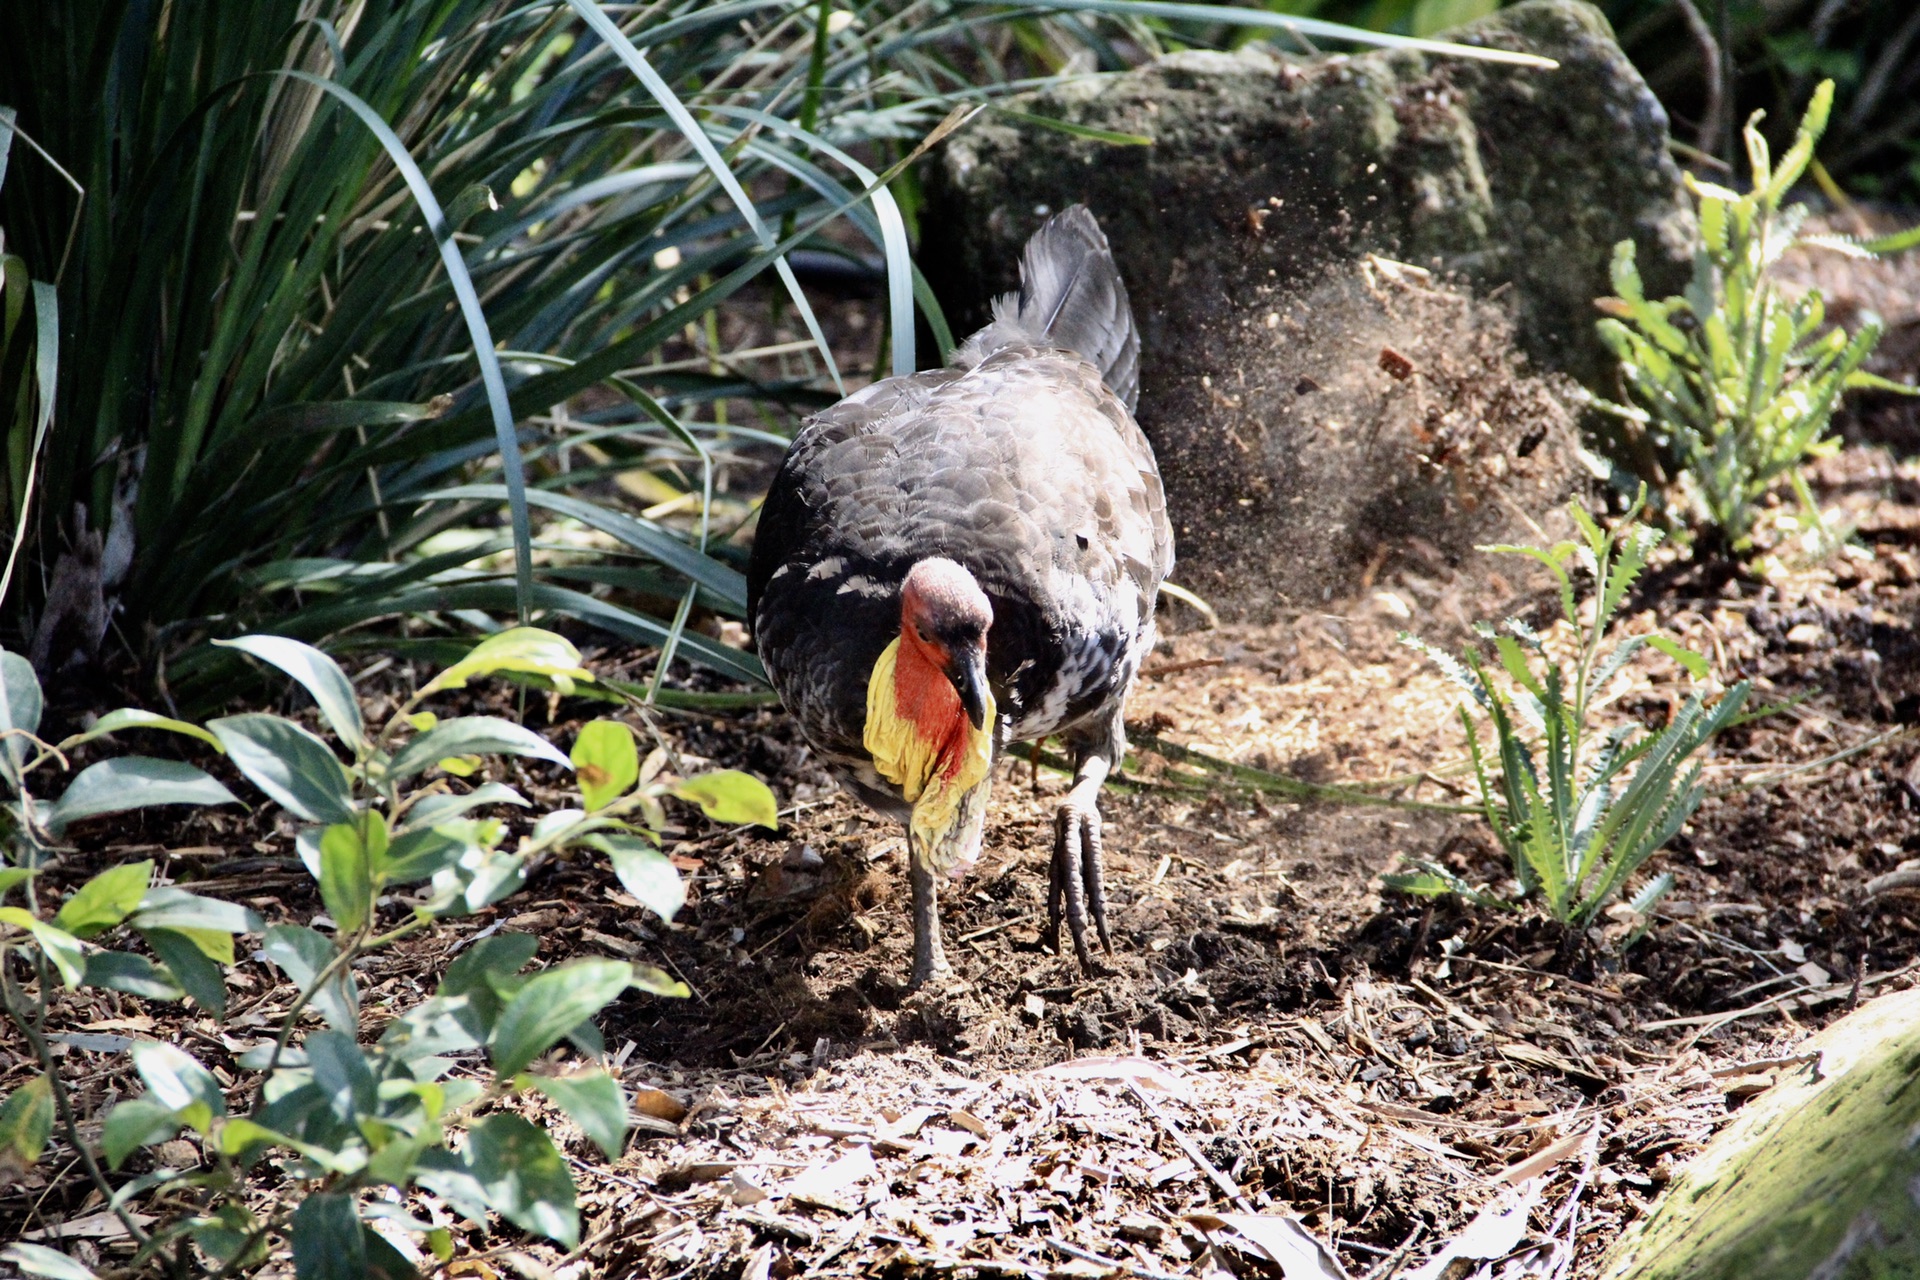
(1734, 382)
(330, 1120)
(1572, 824)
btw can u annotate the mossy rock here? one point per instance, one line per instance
(1269, 182)
(1817, 1177)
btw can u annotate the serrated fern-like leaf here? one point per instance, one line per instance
(1610, 666)
(1450, 666)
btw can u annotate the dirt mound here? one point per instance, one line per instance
(1376, 417)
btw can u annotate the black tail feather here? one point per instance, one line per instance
(1071, 296)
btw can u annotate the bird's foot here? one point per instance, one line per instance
(929, 955)
(930, 967)
(1077, 885)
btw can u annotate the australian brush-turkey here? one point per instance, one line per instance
(957, 559)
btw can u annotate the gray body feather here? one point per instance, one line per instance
(1022, 462)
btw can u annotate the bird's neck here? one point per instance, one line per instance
(926, 700)
(921, 740)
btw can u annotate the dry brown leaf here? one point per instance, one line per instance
(1544, 1159)
(1495, 1232)
(1127, 1069)
(971, 1123)
(659, 1104)
(1281, 1237)
(96, 1226)
(822, 1185)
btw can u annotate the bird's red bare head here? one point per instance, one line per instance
(943, 607)
(944, 620)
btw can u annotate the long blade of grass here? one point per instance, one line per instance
(46, 358)
(317, 622)
(476, 319)
(726, 582)
(1279, 784)
(636, 62)
(550, 388)
(893, 229)
(1313, 27)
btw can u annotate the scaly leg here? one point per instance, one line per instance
(1078, 883)
(929, 955)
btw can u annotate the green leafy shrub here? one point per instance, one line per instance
(1733, 381)
(343, 1118)
(1574, 826)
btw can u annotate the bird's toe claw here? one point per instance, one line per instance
(1076, 887)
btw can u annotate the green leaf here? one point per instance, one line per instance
(327, 1240)
(1420, 884)
(135, 975)
(290, 764)
(474, 982)
(384, 1262)
(432, 809)
(1514, 659)
(302, 954)
(523, 1177)
(526, 649)
(134, 718)
(196, 972)
(346, 869)
(1863, 381)
(731, 797)
(1695, 664)
(49, 1264)
(133, 1124)
(133, 782)
(229, 1234)
(61, 947)
(549, 1006)
(319, 674)
(20, 707)
(420, 854)
(208, 921)
(659, 982)
(593, 1100)
(174, 1079)
(239, 1135)
(646, 873)
(105, 900)
(605, 762)
(472, 735)
(556, 821)
(10, 877)
(26, 1121)
(489, 962)
(343, 1074)
(1072, 130)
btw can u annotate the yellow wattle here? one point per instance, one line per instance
(906, 757)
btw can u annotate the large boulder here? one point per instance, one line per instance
(1278, 372)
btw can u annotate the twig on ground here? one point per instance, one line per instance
(1125, 1268)
(1809, 1058)
(1191, 1150)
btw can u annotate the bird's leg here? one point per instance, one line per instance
(1077, 883)
(929, 955)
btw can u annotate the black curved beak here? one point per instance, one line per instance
(969, 676)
